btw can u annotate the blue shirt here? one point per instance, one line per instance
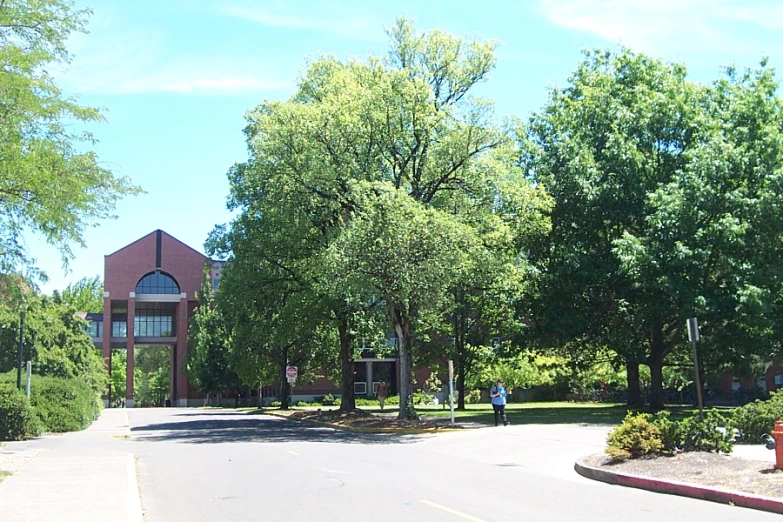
(500, 400)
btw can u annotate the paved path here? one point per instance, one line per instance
(197, 465)
(215, 465)
(79, 477)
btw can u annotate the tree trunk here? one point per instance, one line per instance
(406, 366)
(461, 368)
(459, 345)
(348, 400)
(284, 389)
(655, 361)
(403, 327)
(634, 389)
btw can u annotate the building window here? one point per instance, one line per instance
(95, 329)
(157, 283)
(154, 323)
(119, 329)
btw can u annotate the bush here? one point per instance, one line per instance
(327, 400)
(636, 436)
(422, 398)
(641, 434)
(275, 404)
(709, 434)
(671, 433)
(758, 417)
(473, 397)
(17, 418)
(64, 404)
(391, 400)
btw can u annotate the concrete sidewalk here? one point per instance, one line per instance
(83, 476)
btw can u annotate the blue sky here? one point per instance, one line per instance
(175, 78)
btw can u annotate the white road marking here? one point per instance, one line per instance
(452, 511)
(134, 495)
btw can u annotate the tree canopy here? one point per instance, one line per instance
(667, 195)
(51, 183)
(348, 200)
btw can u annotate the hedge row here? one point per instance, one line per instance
(757, 418)
(18, 421)
(56, 405)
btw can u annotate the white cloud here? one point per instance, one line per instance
(673, 26)
(349, 28)
(139, 68)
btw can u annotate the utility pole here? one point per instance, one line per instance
(19, 356)
(693, 336)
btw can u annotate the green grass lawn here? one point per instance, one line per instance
(4, 475)
(537, 413)
(521, 413)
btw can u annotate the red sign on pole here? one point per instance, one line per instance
(291, 372)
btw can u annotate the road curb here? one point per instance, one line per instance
(134, 494)
(682, 489)
(369, 431)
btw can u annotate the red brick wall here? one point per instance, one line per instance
(182, 263)
(124, 268)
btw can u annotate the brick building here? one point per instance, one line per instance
(150, 290)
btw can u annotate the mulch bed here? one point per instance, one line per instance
(705, 469)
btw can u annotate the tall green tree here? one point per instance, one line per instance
(354, 135)
(55, 341)
(119, 374)
(209, 359)
(658, 184)
(50, 182)
(85, 295)
(151, 375)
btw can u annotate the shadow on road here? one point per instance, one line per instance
(211, 430)
(201, 414)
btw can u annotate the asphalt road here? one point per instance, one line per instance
(215, 465)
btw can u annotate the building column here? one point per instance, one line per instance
(106, 345)
(129, 329)
(370, 391)
(182, 351)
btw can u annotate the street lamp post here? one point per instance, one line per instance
(21, 343)
(693, 336)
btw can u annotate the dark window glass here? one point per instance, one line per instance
(153, 323)
(157, 283)
(119, 329)
(95, 329)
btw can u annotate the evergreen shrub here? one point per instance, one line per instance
(17, 417)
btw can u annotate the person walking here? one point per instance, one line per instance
(380, 392)
(498, 399)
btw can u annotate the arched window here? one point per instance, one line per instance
(157, 283)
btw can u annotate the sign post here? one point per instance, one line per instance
(693, 336)
(451, 389)
(291, 372)
(29, 372)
